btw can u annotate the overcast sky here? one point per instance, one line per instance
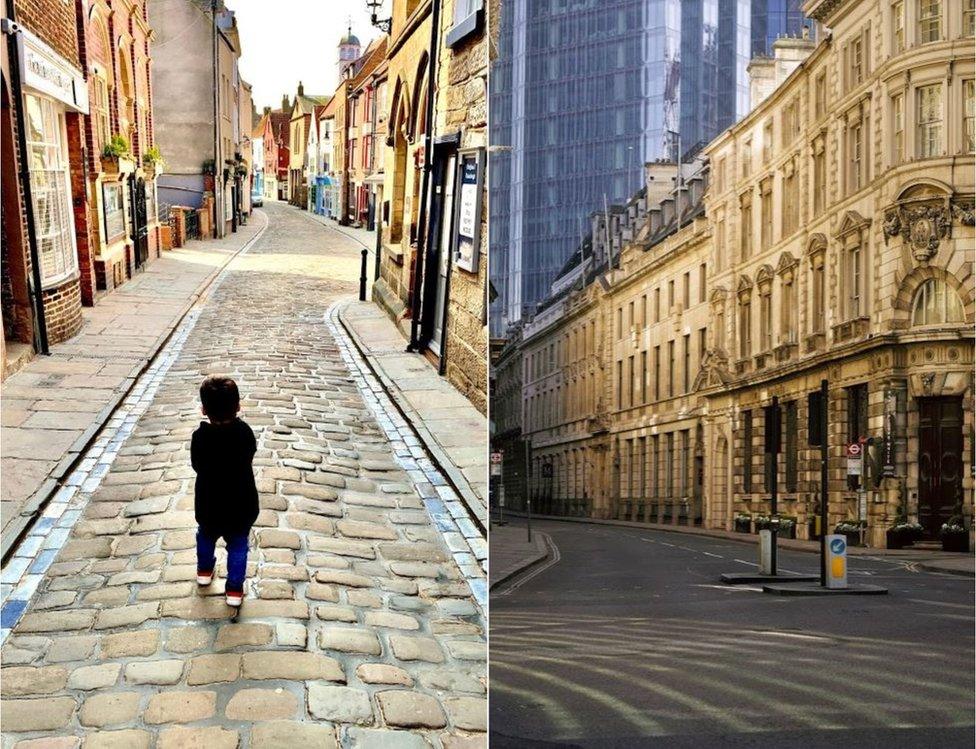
(290, 40)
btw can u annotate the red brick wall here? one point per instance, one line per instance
(54, 22)
(62, 307)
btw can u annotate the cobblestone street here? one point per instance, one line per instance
(364, 623)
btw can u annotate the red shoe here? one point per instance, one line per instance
(204, 577)
(235, 598)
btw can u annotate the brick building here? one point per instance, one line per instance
(122, 159)
(47, 245)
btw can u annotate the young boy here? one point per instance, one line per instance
(225, 496)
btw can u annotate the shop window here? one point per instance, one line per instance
(936, 304)
(50, 188)
(114, 211)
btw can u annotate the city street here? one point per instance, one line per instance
(359, 628)
(627, 639)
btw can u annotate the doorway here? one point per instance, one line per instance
(939, 461)
(438, 262)
(139, 227)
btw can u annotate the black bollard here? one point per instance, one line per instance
(362, 276)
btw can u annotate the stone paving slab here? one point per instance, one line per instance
(359, 628)
(446, 422)
(51, 405)
(511, 551)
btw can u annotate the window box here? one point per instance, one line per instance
(117, 165)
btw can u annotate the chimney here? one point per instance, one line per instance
(767, 73)
(301, 89)
(695, 189)
(267, 110)
(656, 219)
(667, 211)
(285, 104)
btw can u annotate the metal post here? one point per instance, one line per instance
(528, 491)
(824, 394)
(774, 480)
(362, 275)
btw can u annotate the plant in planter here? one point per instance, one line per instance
(851, 529)
(787, 527)
(954, 535)
(903, 533)
(209, 167)
(763, 522)
(152, 158)
(116, 150)
(742, 522)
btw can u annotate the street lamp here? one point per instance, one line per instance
(383, 24)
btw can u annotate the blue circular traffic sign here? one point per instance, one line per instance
(838, 545)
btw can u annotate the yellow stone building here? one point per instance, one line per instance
(834, 241)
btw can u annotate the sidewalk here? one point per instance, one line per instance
(951, 563)
(363, 236)
(53, 407)
(452, 430)
(511, 552)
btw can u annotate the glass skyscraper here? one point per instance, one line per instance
(582, 94)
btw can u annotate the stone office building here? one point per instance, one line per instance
(842, 215)
(836, 244)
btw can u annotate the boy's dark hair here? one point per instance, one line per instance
(220, 398)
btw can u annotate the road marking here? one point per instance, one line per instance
(942, 603)
(792, 635)
(743, 561)
(709, 554)
(537, 571)
(750, 588)
(667, 544)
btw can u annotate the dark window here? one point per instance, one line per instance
(747, 453)
(857, 412)
(772, 435)
(791, 446)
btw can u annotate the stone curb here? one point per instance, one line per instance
(440, 457)
(752, 539)
(19, 526)
(526, 563)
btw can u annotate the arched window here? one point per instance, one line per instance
(936, 304)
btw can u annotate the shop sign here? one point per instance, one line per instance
(888, 442)
(45, 71)
(471, 180)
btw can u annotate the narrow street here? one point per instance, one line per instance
(627, 639)
(359, 628)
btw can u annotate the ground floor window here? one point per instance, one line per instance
(114, 210)
(47, 154)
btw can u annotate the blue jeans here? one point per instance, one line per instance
(236, 556)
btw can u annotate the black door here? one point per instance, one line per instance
(139, 227)
(939, 461)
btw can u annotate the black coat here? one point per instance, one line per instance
(225, 496)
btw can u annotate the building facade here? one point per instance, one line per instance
(199, 131)
(433, 275)
(829, 238)
(585, 93)
(304, 113)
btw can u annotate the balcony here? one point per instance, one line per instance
(814, 342)
(852, 329)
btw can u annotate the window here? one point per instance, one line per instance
(747, 452)
(657, 373)
(630, 316)
(686, 364)
(820, 95)
(670, 295)
(720, 244)
(767, 141)
(936, 304)
(766, 208)
(745, 238)
(657, 304)
(819, 178)
(765, 321)
(114, 210)
(701, 282)
(969, 18)
(51, 188)
(791, 198)
(643, 312)
(620, 384)
(702, 344)
(930, 120)
(897, 27)
(747, 157)
(791, 122)
(686, 290)
(745, 327)
(101, 123)
(897, 129)
(969, 115)
(790, 448)
(643, 380)
(620, 322)
(670, 369)
(929, 20)
(720, 329)
(855, 56)
(856, 146)
(631, 399)
(857, 412)
(788, 310)
(855, 280)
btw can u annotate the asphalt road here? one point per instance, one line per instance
(629, 640)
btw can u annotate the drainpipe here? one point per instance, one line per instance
(418, 281)
(11, 29)
(218, 166)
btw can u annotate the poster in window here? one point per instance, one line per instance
(471, 181)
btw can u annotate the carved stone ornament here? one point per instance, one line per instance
(923, 225)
